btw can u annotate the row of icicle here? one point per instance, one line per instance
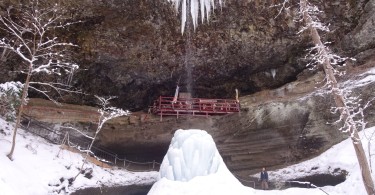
(204, 6)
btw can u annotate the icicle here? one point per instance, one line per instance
(194, 9)
(207, 8)
(176, 94)
(212, 4)
(204, 6)
(273, 73)
(202, 10)
(177, 4)
(183, 16)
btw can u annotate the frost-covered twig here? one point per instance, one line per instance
(79, 131)
(281, 6)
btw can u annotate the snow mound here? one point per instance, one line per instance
(193, 160)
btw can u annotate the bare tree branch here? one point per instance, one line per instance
(29, 35)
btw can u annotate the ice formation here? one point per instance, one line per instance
(193, 166)
(191, 153)
(273, 73)
(204, 6)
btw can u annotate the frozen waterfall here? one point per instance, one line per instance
(191, 153)
(193, 166)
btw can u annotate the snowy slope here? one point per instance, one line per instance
(36, 168)
(341, 156)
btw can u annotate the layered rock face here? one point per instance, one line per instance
(135, 50)
(275, 128)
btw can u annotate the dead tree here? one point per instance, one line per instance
(339, 98)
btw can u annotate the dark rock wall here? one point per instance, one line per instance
(134, 49)
(138, 53)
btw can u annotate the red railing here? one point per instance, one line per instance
(194, 106)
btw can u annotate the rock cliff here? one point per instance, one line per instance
(134, 49)
(275, 127)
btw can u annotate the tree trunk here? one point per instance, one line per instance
(20, 110)
(340, 102)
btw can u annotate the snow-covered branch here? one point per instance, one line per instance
(281, 6)
(351, 114)
(39, 47)
(319, 53)
(58, 88)
(108, 112)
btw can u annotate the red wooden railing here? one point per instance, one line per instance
(165, 106)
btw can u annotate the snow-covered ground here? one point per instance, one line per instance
(37, 170)
(341, 156)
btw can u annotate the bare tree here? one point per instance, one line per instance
(30, 35)
(106, 113)
(348, 107)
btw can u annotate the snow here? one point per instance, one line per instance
(222, 182)
(14, 87)
(341, 156)
(363, 79)
(38, 169)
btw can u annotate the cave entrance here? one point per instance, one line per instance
(318, 180)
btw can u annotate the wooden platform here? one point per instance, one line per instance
(166, 106)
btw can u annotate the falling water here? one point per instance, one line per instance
(188, 56)
(187, 19)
